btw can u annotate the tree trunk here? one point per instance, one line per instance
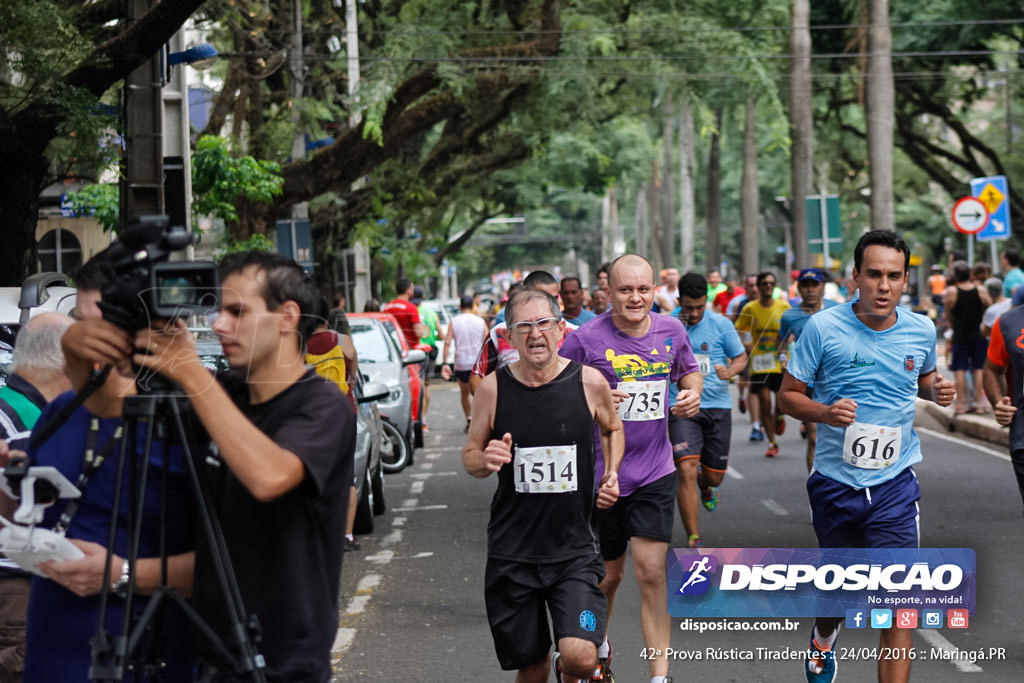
(641, 222)
(687, 203)
(801, 118)
(749, 211)
(880, 98)
(653, 246)
(668, 188)
(713, 253)
(20, 186)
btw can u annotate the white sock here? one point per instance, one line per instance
(757, 425)
(824, 642)
(604, 650)
(349, 537)
(658, 679)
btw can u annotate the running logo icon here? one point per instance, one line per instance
(698, 568)
(588, 622)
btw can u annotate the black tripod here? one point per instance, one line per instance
(159, 406)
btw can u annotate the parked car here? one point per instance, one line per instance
(382, 358)
(369, 469)
(39, 293)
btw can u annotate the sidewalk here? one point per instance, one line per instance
(978, 426)
(982, 427)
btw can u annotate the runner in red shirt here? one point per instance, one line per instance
(405, 312)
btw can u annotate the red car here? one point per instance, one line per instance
(415, 381)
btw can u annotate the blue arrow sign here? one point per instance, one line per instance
(995, 193)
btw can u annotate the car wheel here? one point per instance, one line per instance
(394, 449)
(379, 506)
(364, 509)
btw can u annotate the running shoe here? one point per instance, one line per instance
(756, 434)
(709, 497)
(743, 406)
(821, 664)
(780, 424)
(772, 451)
(603, 672)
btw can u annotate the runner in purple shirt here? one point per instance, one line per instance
(639, 354)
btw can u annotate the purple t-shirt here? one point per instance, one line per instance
(661, 356)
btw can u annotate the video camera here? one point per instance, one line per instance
(145, 285)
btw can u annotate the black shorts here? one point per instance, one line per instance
(648, 512)
(772, 380)
(519, 596)
(427, 367)
(462, 375)
(705, 435)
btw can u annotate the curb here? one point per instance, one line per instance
(982, 427)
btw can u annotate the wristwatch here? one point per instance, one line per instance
(119, 586)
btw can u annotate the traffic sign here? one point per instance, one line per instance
(970, 215)
(993, 192)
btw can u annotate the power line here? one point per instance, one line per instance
(703, 29)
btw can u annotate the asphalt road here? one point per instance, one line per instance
(412, 599)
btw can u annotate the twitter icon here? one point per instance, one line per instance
(881, 618)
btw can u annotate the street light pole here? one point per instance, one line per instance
(142, 183)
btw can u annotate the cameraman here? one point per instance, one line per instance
(281, 463)
(63, 609)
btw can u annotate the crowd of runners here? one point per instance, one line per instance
(599, 429)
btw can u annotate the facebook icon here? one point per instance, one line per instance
(855, 618)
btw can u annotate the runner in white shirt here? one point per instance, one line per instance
(467, 332)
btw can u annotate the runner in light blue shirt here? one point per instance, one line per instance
(811, 285)
(869, 361)
(700, 444)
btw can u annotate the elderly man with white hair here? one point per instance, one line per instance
(39, 375)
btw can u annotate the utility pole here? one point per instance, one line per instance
(361, 255)
(142, 181)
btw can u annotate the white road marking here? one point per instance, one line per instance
(774, 507)
(733, 472)
(962, 442)
(416, 487)
(410, 502)
(381, 558)
(428, 475)
(413, 508)
(357, 604)
(427, 466)
(937, 640)
(368, 583)
(398, 522)
(342, 641)
(393, 538)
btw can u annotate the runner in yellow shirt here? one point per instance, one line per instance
(758, 325)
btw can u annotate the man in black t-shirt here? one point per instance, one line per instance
(533, 424)
(280, 466)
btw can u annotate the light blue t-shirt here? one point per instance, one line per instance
(795, 319)
(844, 358)
(714, 341)
(583, 317)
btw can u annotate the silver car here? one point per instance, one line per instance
(382, 361)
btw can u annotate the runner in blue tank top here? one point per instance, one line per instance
(868, 361)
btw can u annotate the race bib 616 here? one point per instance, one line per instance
(872, 447)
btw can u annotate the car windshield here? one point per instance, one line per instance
(393, 331)
(371, 343)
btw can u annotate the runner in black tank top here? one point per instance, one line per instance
(544, 527)
(533, 424)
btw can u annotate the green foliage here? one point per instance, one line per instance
(255, 242)
(218, 179)
(102, 201)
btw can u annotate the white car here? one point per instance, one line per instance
(40, 293)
